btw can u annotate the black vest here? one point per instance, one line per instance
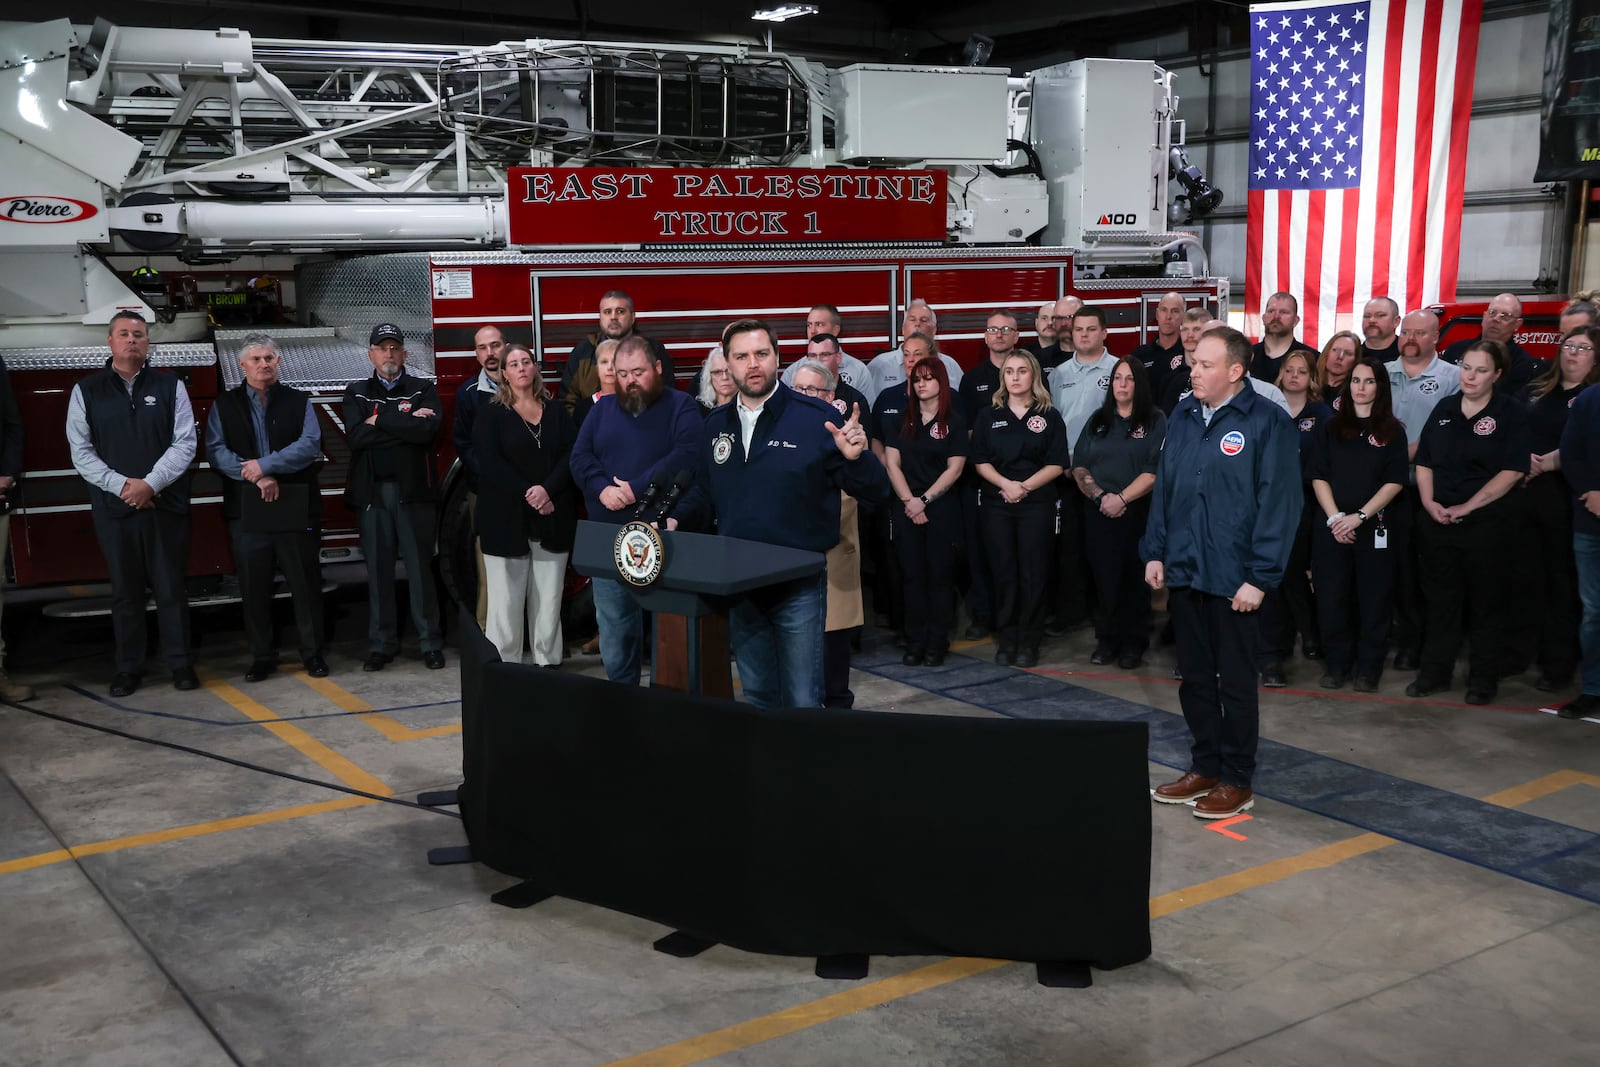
(131, 431)
(286, 417)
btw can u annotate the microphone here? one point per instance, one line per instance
(651, 493)
(669, 500)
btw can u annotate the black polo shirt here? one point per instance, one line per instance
(1265, 367)
(1355, 469)
(925, 456)
(884, 425)
(978, 387)
(1018, 448)
(1547, 417)
(1307, 422)
(1123, 452)
(1157, 361)
(1175, 388)
(1522, 369)
(1464, 454)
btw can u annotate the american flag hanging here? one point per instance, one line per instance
(1358, 152)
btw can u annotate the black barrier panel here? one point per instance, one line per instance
(812, 833)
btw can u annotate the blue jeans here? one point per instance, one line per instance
(777, 643)
(621, 621)
(1586, 547)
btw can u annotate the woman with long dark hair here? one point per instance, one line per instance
(1358, 466)
(527, 509)
(1114, 466)
(1472, 452)
(1546, 594)
(1019, 449)
(925, 460)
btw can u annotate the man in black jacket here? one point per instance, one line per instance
(10, 471)
(266, 434)
(132, 434)
(390, 421)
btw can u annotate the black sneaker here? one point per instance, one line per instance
(1103, 653)
(1334, 680)
(1274, 678)
(1586, 705)
(433, 660)
(1424, 687)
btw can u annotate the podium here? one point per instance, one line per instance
(700, 577)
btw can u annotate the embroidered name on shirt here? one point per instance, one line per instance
(775, 443)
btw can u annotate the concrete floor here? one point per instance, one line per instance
(161, 907)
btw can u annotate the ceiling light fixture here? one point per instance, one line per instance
(784, 12)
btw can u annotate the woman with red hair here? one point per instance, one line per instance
(925, 460)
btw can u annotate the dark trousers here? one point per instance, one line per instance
(1544, 594)
(980, 580)
(1463, 575)
(1122, 600)
(148, 549)
(1071, 602)
(928, 572)
(1410, 604)
(1355, 595)
(388, 527)
(1217, 656)
(1292, 608)
(255, 557)
(1018, 539)
(878, 541)
(836, 670)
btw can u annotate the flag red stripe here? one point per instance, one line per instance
(1456, 176)
(1347, 257)
(1311, 287)
(1426, 90)
(1255, 223)
(1383, 210)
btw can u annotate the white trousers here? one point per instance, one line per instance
(525, 598)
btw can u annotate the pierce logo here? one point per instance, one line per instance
(1119, 219)
(45, 209)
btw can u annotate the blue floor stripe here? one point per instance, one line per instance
(1533, 849)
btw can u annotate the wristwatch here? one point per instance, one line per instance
(925, 500)
(1362, 515)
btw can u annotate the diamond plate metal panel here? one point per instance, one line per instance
(317, 358)
(357, 294)
(725, 255)
(94, 357)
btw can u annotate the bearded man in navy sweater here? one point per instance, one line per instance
(774, 463)
(642, 433)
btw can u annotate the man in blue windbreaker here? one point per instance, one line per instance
(775, 461)
(1227, 501)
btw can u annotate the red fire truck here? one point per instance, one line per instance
(445, 188)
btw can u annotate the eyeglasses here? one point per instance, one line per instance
(1570, 347)
(1501, 316)
(723, 373)
(814, 390)
(999, 329)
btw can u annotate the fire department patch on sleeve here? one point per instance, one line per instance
(1484, 426)
(722, 448)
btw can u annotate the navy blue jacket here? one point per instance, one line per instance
(1227, 499)
(787, 491)
(1580, 457)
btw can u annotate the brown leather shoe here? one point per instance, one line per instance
(1190, 787)
(1224, 801)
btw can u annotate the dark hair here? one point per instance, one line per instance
(1496, 351)
(1091, 311)
(632, 343)
(126, 314)
(1381, 424)
(616, 294)
(911, 417)
(1105, 415)
(739, 326)
(824, 339)
(1550, 380)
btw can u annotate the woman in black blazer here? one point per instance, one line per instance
(527, 509)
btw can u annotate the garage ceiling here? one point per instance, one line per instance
(1028, 33)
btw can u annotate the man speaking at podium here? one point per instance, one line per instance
(775, 461)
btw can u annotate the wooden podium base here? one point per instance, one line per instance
(691, 655)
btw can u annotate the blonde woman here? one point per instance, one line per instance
(527, 510)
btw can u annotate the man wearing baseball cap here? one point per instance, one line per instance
(390, 422)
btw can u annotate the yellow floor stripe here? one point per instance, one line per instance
(1541, 787)
(179, 833)
(1266, 873)
(341, 697)
(339, 766)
